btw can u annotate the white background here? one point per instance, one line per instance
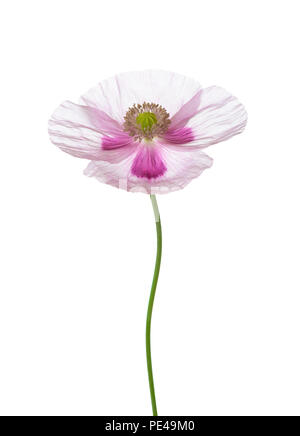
(77, 256)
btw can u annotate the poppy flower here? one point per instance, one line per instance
(145, 131)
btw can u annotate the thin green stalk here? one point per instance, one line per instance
(151, 301)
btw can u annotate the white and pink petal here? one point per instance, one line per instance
(116, 95)
(89, 133)
(157, 170)
(219, 116)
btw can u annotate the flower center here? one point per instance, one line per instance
(145, 121)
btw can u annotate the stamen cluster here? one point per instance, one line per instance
(145, 121)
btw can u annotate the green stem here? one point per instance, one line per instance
(151, 301)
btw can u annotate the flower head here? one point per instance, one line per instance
(146, 121)
(145, 131)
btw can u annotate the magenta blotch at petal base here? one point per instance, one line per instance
(148, 163)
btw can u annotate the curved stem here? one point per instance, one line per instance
(151, 301)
